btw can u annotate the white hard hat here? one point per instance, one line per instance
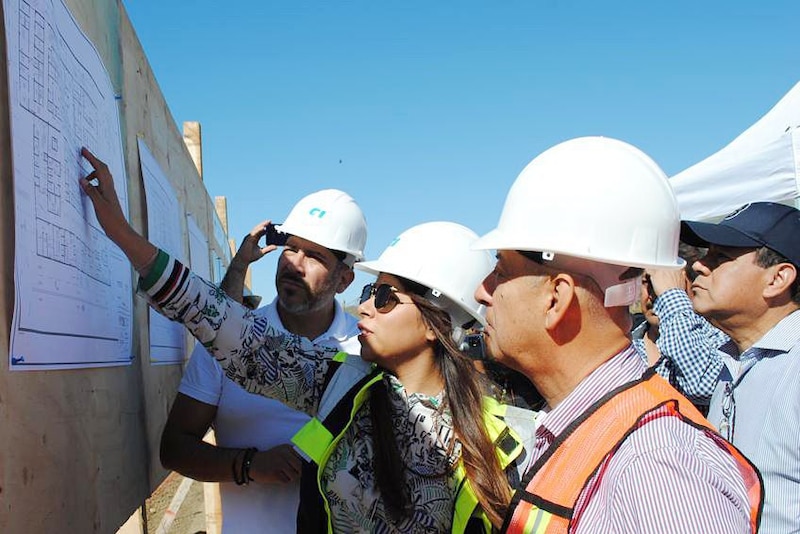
(596, 199)
(330, 218)
(439, 255)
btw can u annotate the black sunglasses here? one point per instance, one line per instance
(385, 298)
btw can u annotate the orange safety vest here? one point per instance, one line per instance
(556, 480)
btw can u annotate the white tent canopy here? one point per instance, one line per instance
(759, 165)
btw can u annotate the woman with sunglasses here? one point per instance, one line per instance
(404, 439)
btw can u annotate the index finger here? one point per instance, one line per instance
(91, 158)
(260, 229)
(94, 161)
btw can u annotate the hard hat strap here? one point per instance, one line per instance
(619, 284)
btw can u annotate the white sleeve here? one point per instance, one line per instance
(202, 378)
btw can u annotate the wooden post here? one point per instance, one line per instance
(193, 138)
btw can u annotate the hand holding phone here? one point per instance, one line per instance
(251, 249)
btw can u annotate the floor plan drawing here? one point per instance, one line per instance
(164, 215)
(73, 301)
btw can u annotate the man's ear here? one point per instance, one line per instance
(562, 295)
(781, 278)
(346, 278)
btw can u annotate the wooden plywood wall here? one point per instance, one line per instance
(79, 448)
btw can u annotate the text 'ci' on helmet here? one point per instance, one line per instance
(330, 218)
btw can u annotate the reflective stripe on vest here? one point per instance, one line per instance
(316, 437)
(508, 447)
(556, 480)
(313, 439)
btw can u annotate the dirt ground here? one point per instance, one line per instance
(190, 516)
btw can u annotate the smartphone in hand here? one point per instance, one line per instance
(275, 237)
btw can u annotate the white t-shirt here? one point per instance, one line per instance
(247, 420)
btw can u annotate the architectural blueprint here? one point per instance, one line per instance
(200, 259)
(164, 214)
(72, 285)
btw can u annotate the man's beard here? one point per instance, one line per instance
(298, 297)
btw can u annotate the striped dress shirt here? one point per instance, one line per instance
(757, 407)
(666, 476)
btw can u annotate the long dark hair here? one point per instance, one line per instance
(464, 388)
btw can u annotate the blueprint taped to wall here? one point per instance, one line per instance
(73, 299)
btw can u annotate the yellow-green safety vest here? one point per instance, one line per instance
(317, 440)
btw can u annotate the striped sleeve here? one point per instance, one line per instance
(252, 353)
(166, 276)
(175, 292)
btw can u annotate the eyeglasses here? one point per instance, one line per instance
(385, 298)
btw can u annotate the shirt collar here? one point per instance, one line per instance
(620, 369)
(783, 336)
(778, 340)
(341, 328)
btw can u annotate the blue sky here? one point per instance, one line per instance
(428, 110)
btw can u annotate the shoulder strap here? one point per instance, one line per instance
(508, 447)
(317, 435)
(557, 478)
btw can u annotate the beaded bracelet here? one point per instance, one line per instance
(236, 478)
(248, 459)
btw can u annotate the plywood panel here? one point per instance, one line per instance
(79, 449)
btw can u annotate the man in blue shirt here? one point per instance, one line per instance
(684, 343)
(747, 286)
